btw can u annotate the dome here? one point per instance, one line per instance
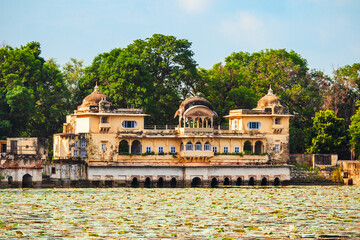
(269, 100)
(95, 97)
(191, 102)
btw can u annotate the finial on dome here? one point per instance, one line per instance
(270, 92)
(96, 88)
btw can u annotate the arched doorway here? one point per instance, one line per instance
(350, 182)
(247, 147)
(135, 183)
(263, 181)
(276, 181)
(226, 181)
(123, 147)
(173, 183)
(27, 181)
(136, 147)
(214, 183)
(160, 183)
(196, 182)
(251, 181)
(239, 181)
(147, 182)
(259, 147)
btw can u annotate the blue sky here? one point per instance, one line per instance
(325, 32)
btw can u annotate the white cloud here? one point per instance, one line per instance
(250, 29)
(194, 6)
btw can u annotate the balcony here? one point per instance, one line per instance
(104, 126)
(190, 154)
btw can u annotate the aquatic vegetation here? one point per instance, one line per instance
(181, 213)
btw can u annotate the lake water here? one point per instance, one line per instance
(193, 213)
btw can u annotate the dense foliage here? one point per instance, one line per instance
(154, 74)
(33, 94)
(157, 73)
(330, 136)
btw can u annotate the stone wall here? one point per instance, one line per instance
(351, 172)
(307, 175)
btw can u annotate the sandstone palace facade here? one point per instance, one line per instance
(119, 150)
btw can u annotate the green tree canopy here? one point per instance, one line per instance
(245, 78)
(154, 74)
(329, 134)
(33, 94)
(354, 132)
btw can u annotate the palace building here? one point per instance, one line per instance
(119, 150)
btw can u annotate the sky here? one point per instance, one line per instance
(324, 32)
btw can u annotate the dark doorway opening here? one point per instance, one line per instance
(95, 184)
(350, 182)
(147, 182)
(263, 181)
(214, 183)
(226, 181)
(135, 183)
(109, 183)
(160, 183)
(276, 181)
(196, 182)
(27, 181)
(10, 180)
(173, 183)
(239, 181)
(251, 181)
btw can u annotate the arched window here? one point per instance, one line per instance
(259, 147)
(123, 147)
(136, 147)
(253, 125)
(207, 146)
(198, 146)
(247, 147)
(189, 146)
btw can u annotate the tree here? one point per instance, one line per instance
(154, 74)
(329, 134)
(73, 71)
(245, 78)
(354, 132)
(344, 91)
(33, 94)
